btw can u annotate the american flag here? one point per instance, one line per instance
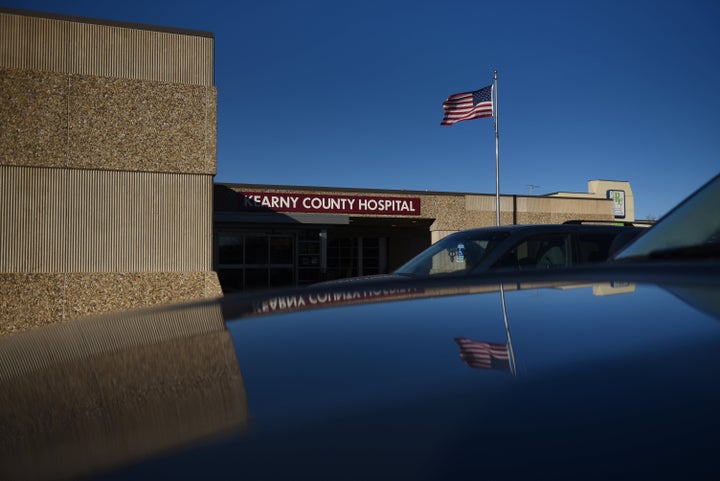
(484, 355)
(468, 106)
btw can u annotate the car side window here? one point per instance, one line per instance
(536, 252)
(459, 257)
(593, 248)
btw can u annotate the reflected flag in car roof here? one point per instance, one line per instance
(484, 355)
(468, 105)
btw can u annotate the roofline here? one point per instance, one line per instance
(567, 193)
(366, 190)
(335, 189)
(109, 23)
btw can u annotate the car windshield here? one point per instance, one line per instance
(690, 230)
(457, 253)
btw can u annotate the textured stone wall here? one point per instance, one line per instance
(36, 299)
(86, 122)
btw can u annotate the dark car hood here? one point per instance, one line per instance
(606, 375)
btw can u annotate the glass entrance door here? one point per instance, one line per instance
(250, 261)
(355, 256)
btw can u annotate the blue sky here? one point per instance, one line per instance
(347, 93)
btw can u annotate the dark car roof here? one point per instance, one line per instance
(613, 375)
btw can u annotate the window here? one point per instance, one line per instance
(355, 256)
(537, 252)
(249, 261)
(593, 247)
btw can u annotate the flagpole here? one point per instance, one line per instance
(497, 148)
(511, 352)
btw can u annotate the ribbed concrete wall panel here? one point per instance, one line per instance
(54, 220)
(487, 203)
(143, 55)
(24, 43)
(32, 220)
(56, 45)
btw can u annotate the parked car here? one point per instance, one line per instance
(690, 230)
(603, 371)
(516, 247)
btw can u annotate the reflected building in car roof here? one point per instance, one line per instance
(84, 396)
